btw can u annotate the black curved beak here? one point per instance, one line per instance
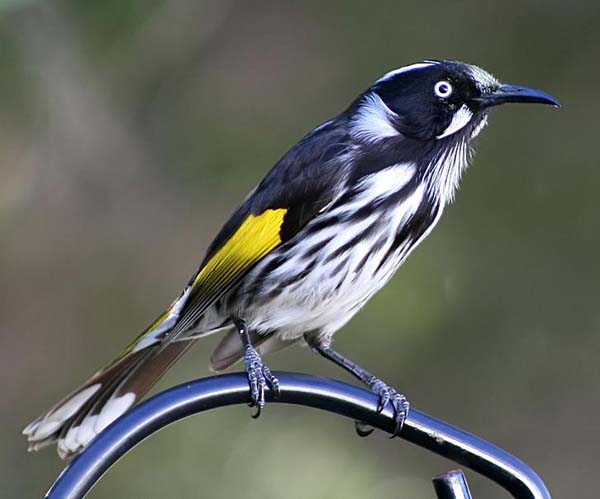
(516, 93)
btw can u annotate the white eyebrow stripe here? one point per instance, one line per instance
(405, 69)
(482, 78)
(460, 118)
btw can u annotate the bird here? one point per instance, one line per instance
(325, 229)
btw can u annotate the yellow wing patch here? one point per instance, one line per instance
(254, 239)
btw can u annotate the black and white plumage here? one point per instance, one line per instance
(327, 227)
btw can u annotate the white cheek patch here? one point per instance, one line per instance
(373, 120)
(459, 120)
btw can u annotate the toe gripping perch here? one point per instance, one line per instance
(259, 375)
(333, 396)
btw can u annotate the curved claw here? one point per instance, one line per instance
(381, 389)
(399, 403)
(273, 383)
(259, 378)
(258, 412)
(253, 382)
(363, 429)
(401, 407)
(383, 401)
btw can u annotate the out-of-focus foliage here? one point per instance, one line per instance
(129, 130)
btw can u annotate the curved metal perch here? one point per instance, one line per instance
(299, 389)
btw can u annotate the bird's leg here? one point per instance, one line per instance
(386, 393)
(259, 375)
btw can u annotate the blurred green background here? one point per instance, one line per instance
(130, 129)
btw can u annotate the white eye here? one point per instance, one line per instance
(443, 89)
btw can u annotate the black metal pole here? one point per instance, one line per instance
(299, 389)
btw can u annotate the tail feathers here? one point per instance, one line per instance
(47, 428)
(79, 417)
(77, 432)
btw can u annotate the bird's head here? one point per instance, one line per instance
(435, 100)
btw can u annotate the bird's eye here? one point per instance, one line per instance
(443, 89)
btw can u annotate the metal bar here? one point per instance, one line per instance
(299, 389)
(451, 485)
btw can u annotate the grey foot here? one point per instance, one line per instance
(387, 395)
(259, 378)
